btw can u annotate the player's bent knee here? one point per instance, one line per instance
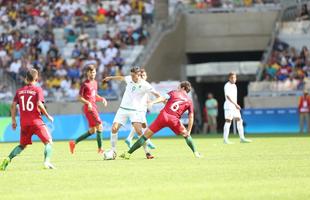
(114, 129)
(228, 120)
(92, 130)
(144, 125)
(100, 128)
(148, 133)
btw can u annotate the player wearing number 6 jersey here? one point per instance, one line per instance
(30, 100)
(177, 102)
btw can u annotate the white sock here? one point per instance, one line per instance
(131, 134)
(240, 129)
(226, 130)
(147, 141)
(146, 149)
(113, 141)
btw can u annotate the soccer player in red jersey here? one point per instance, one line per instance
(30, 100)
(176, 104)
(88, 96)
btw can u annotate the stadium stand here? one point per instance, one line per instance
(285, 66)
(60, 43)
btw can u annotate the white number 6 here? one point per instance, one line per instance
(175, 106)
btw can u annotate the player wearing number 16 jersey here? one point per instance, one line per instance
(30, 100)
(177, 102)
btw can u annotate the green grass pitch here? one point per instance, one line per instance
(272, 167)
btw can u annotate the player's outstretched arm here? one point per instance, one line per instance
(13, 115)
(117, 78)
(157, 100)
(43, 110)
(156, 94)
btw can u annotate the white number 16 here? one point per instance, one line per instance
(29, 103)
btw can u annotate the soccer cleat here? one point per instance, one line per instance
(245, 141)
(129, 143)
(4, 164)
(72, 146)
(100, 150)
(197, 154)
(149, 156)
(227, 142)
(150, 145)
(48, 165)
(125, 155)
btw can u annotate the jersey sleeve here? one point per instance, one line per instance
(82, 90)
(127, 79)
(149, 88)
(226, 90)
(169, 94)
(40, 95)
(190, 108)
(15, 98)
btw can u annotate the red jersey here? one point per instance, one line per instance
(27, 98)
(88, 91)
(178, 103)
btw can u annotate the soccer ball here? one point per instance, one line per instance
(109, 155)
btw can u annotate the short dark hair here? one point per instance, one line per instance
(135, 69)
(90, 68)
(186, 86)
(231, 74)
(31, 74)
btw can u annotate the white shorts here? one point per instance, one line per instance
(122, 116)
(142, 116)
(232, 113)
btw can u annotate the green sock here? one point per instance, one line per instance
(137, 144)
(16, 151)
(190, 143)
(47, 152)
(99, 139)
(82, 137)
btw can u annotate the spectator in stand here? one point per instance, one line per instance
(304, 110)
(111, 14)
(148, 12)
(14, 68)
(124, 8)
(76, 52)
(304, 13)
(71, 37)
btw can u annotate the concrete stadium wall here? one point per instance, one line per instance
(209, 32)
(228, 32)
(169, 55)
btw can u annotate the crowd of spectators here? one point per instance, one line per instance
(287, 64)
(39, 33)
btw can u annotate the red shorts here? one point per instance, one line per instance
(92, 117)
(39, 130)
(165, 120)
